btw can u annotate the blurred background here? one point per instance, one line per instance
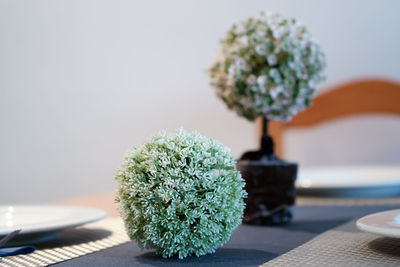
(81, 82)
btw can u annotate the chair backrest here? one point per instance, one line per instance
(353, 98)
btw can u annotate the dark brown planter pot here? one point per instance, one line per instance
(270, 184)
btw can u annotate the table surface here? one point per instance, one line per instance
(249, 245)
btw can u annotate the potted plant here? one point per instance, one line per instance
(268, 67)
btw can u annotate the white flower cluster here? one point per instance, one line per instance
(267, 66)
(180, 194)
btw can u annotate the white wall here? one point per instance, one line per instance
(83, 81)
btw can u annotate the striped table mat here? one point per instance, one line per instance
(73, 243)
(343, 246)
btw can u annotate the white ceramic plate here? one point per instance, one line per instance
(349, 181)
(41, 223)
(385, 223)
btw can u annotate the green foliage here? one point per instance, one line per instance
(180, 194)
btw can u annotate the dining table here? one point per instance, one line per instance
(322, 232)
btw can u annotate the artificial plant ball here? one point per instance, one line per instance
(180, 194)
(267, 66)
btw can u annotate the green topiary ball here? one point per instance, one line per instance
(180, 194)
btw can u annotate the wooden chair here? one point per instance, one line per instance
(353, 98)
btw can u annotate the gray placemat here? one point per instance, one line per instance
(343, 246)
(73, 243)
(249, 245)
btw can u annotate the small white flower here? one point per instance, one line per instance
(272, 60)
(274, 73)
(278, 33)
(274, 92)
(303, 44)
(260, 49)
(258, 102)
(259, 34)
(299, 101)
(244, 41)
(251, 79)
(313, 49)
(281, 88)
(311, 83)
(261, 80)
(231, 69)
(240, 63)
(297, 57)
(303, 91)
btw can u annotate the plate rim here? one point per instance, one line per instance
(378, 230)
(101, 214)
(317, 185)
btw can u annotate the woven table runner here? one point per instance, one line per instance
(343, 246)
(73, 243)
